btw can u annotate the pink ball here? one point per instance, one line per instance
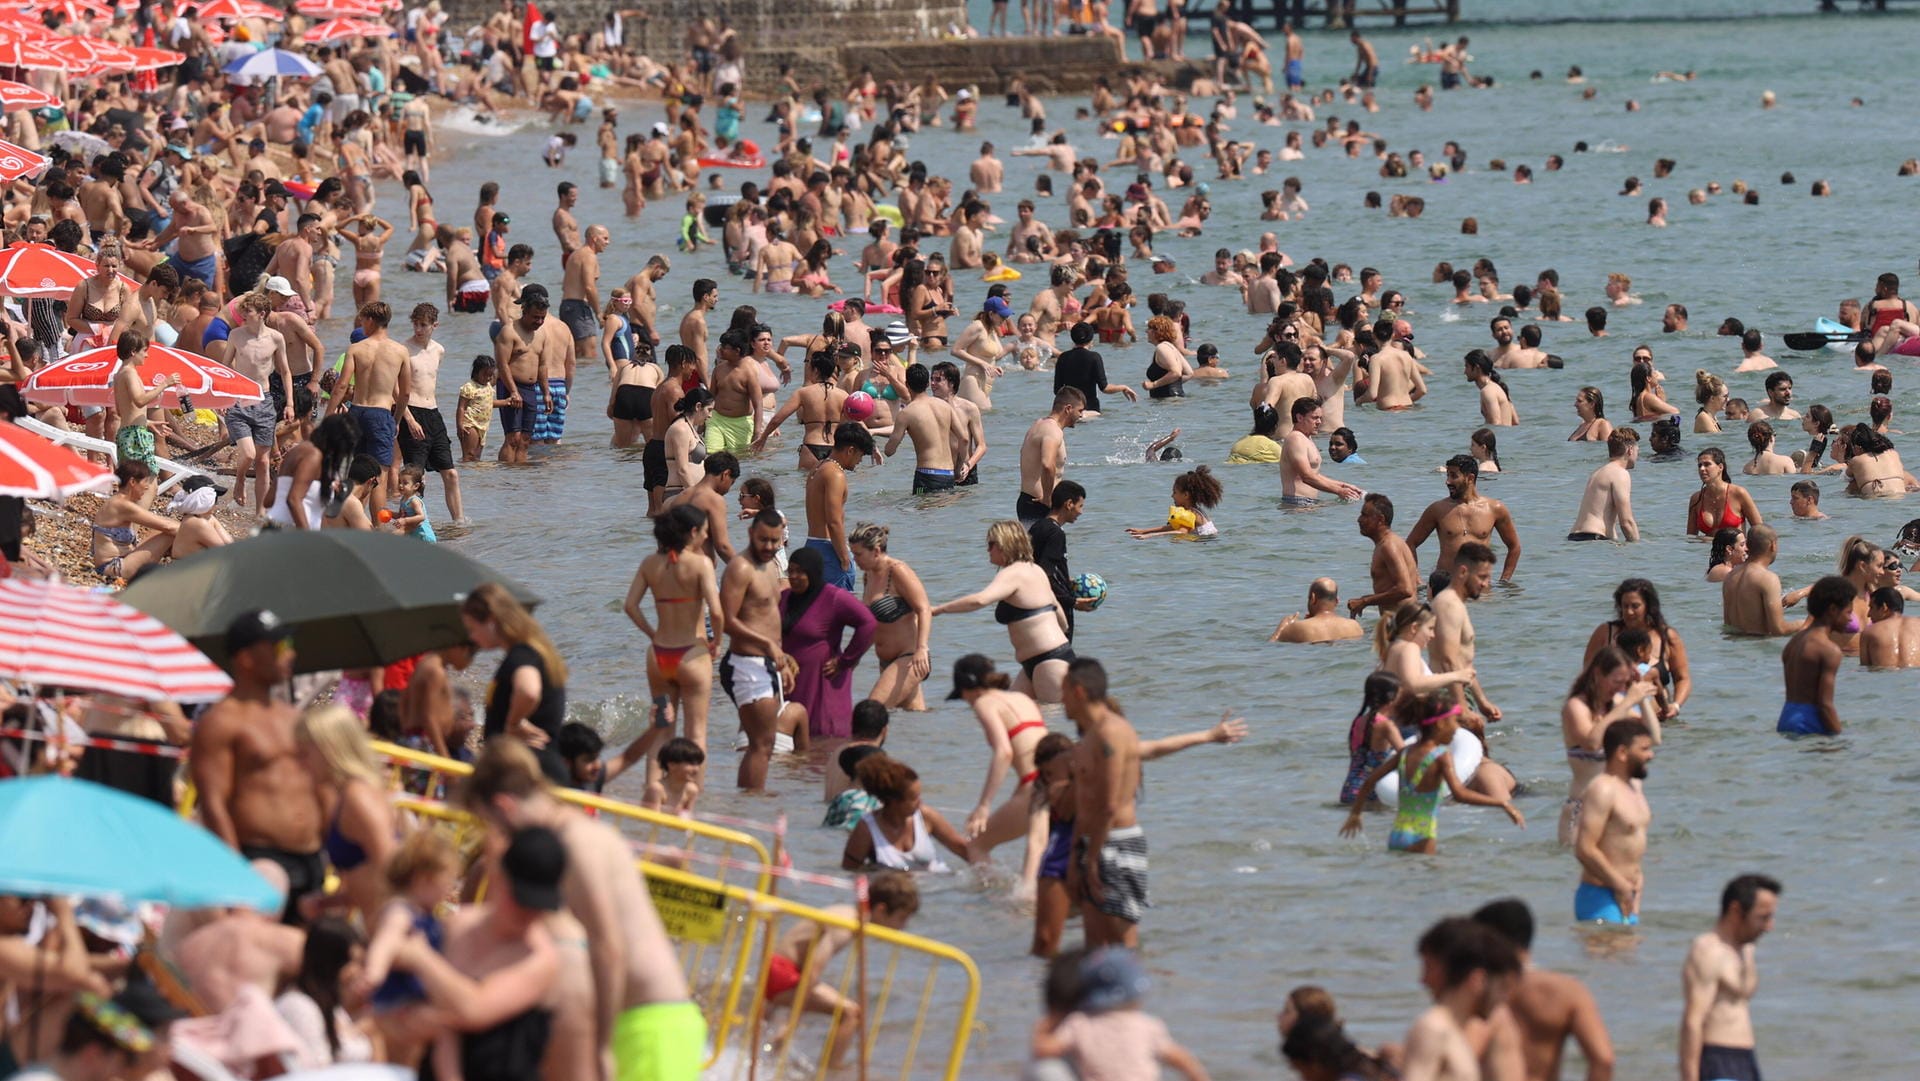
(859, 407)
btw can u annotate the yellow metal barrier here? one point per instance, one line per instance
(725, 930)
(431, 774)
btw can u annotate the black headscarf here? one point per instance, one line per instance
(809, 562)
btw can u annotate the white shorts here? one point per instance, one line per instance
(782, 743)
(748, 679)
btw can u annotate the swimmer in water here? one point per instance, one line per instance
(1323, 622)
(1811, 659)
(1193, 493)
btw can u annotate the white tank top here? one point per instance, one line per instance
(921, 857)
(278, 514)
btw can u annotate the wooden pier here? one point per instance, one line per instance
(1340, 14)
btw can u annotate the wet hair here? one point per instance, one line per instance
(1887, 597)
(1266, 420)
(1759, 434)
(885, 778)
(1376, 694)
(1465, 464)
(693, 399)
(1380, 505)
(1599, 400)
(1867, 441)
(1719, 458)
(1882, 380)
(1484, 437)
(1461, 947)
(1776, 379)
(681, 752)
(1200, 485)
(1649, 596)
(1723, 542)
(870, 719)
(673, 530)
(1806, 489)
(1878, 410)
(1745, 890)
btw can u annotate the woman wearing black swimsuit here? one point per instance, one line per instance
(1023, 602)
(904, 616)
(1637, 604)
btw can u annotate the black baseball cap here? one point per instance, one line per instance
(144, 1001)
(534, 864)
(970, 673)
(255, 627)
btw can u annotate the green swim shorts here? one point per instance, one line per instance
(729, 433)
(661, 1041)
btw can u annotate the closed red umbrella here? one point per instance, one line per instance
(53, 635)
(21, 96)
(42, 270)
(87, 379)
(17, 162)
(32, 467)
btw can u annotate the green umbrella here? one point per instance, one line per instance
(356, 599)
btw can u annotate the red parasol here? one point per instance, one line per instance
(334, 30)
(33, 467)
(87, 379)
(237, 9)
(42, 270)
(17, 162)
(21, 96)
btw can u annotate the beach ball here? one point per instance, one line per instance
(859, 407)
(1090, 586)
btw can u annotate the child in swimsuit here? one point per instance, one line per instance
(423, 872)
(1192, 493)
(1424, 766)
(805, 951)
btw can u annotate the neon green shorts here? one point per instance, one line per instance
(662, 1041)
(729, 433)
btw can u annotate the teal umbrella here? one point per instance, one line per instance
(66, 837)
(355, 598)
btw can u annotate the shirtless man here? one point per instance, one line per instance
(642, 1008)
(987, 172)
(1397, 382)
(524, 368)
(580, 292)
(935, 428)
(1750, 596)
(1452, 648)
(1366, 61)
(423, 434)
(655, 471)
(719, 472)
(1508, 354)
(1719, 978)
(736, 419)
(1892, 640)
(1496, 403)
(1469, 971)
(693, 325)
(505, 290)
(565, 228)
(1612, 833)
(969, 432)
(1396, 575)
(1545, 1008)
(1049, 308)
(1466, 515)
(254, 794)
(1108, 875)
(1287, 387)
(1300, 474)
(969, 239)
(100, 197)
(1752, 359)
(258, 352)
(293, 258)
(646, 307)
(1028, 226)
(373, 388)
(467, 287)
(1778, 405)
(1223, 272)
(195, 255)
(1608, 501)
(1043, 456)
(754, 671)
(1811, 659)
(1323, 623)
(827, 501)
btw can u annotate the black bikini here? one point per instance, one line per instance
(1007, 612)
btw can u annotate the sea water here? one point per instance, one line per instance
(1253, 890)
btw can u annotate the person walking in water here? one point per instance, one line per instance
(1720, 977)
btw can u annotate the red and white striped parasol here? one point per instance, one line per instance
(87, 379)
(25, 47)
(53, 635)
(33, 467)
(346, 29)
(17, 162)
(76, 11)
(42, 270)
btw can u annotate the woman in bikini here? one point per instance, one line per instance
(1024, 603)
(685, 595)
(1636, 607)
(813, 279)
(102, 305)
(903, 615)
(775, 265)
(1711, 392)
(1012, 724)
(1609, 689)
(369, 239)
(1648, 402)
(819, 404)
(978, 349)
(1766, 461)
(117, 552)
(423, 254)
(1719, 503)
(686, 441)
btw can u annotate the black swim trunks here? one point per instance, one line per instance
(306, 876)
(1587, 536)
(1030, 510)
(1728, 1064)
